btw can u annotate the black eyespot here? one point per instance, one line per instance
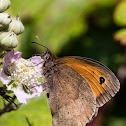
(102, 80)
(47, 95)
(44, 64)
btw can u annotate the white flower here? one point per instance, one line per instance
(21, 76)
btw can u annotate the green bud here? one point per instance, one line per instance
(4, 5)
(5, 20)
(8, 40)
(16, 26)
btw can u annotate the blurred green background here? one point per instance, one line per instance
(87, 28)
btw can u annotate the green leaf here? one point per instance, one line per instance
(36, 110)
(113, 121)
(120, 35)
(120, 14)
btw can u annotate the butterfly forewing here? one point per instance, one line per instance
(102, 81)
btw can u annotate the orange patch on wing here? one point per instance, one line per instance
(89, 72)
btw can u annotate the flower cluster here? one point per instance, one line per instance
(21, 76)
(9, 27)
(17, 74)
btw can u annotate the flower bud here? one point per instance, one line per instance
(8, 40)
(16, 26)
(4, 5)
(5, 20)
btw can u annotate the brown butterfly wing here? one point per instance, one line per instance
(102, 81)
(71, 99)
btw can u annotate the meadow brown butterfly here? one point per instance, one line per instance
(76, 87)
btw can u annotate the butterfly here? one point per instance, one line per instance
(76, 87)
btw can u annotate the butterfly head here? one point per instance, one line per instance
(48, 57)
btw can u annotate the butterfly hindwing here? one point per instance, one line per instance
(71, 99)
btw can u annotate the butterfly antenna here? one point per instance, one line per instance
(40, 44)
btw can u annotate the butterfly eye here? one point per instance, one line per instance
(102, 80)
(46, 57)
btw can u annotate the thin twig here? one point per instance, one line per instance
(9, 107)
(29, 124)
